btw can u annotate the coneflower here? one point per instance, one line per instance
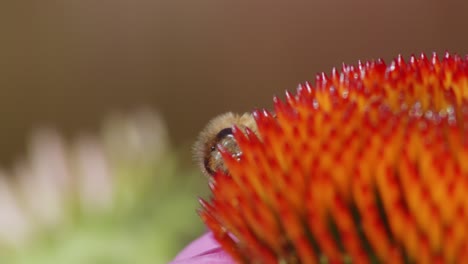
(120, 196)
(366, 165)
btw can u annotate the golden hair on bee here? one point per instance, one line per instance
(219, 132)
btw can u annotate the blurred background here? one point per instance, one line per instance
(162, 69)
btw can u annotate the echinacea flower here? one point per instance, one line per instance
(367, 165)
(118, 197)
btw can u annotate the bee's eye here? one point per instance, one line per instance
(220, 136)
(214, 160)
(219, 132)
(223, 133)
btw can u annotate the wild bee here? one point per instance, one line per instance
(219, 132)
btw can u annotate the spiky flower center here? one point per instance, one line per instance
(365, 166)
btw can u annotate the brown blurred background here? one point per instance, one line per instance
(69, 63)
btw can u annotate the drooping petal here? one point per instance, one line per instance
(203, 250)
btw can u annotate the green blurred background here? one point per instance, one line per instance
(69, 64)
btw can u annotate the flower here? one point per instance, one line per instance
(118, 197)
(203, 250)
(367, 165)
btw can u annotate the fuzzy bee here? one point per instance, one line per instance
(219, 132)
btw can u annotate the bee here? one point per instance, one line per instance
(219, 132)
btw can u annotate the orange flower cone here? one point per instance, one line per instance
(367, 165)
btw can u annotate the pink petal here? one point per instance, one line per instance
(203, 250)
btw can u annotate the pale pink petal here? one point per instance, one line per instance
(203, 250)
(94, 178)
